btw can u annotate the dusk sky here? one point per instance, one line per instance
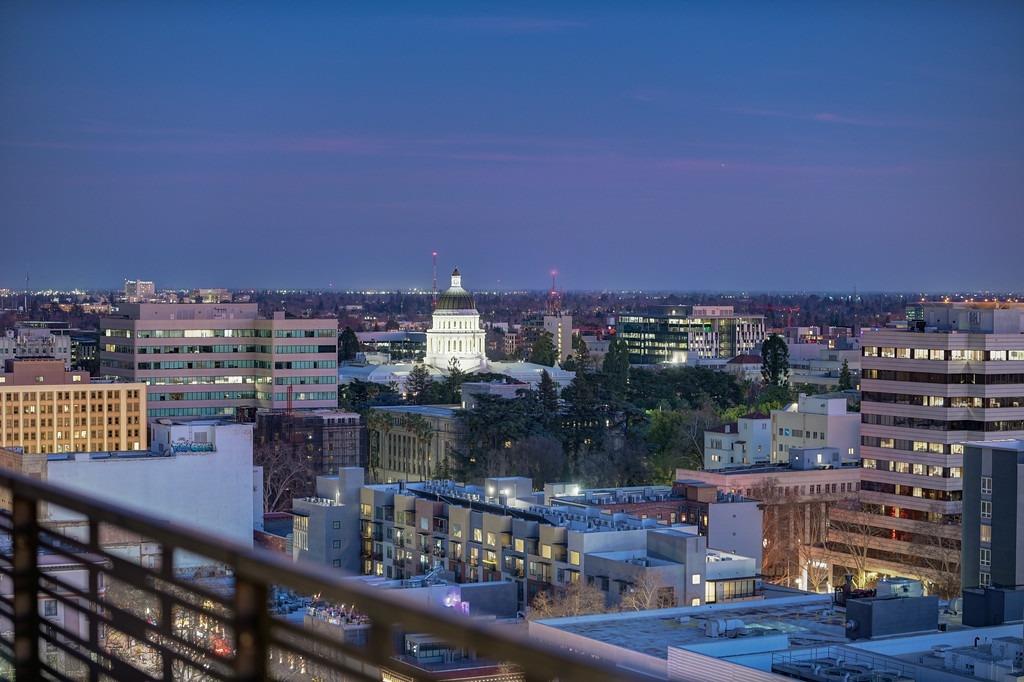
(696, 145)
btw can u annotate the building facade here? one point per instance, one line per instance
(412, 442)
(993, 518)
(35, 342)
(455, 334)
(816, 421)
(678, 334)
(956, 375)
(207, 359)
(746, 442)
(45, 408)
(323, 524)
(138, 290)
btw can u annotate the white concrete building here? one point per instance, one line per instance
(456, 334)
(813, 422)
(198, 474)
(746, 442)
(35, 342)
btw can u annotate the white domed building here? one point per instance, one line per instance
(456, 334)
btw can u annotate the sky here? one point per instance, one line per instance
(663, 145)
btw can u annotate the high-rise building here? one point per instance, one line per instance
(682, 334)
(45, 408)
(209, 359)
(956, 375)
(138, 291)
(993, 521)
(560, 328)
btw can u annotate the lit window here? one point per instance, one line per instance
(986, 533)
(695, 579)
(695, 601)
(574, 558)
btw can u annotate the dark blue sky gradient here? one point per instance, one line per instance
(764, 146)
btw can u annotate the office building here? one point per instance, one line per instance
(139, 291)
(398, 345)
(209, 359)
(45, 408)
(746, 442)
(993, 517)
(815, 421)
(197, 473)
(333, 438)
(684, 334)
(413, 442)
(35, 342)
(956, 375)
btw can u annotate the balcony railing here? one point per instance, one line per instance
(144, 619)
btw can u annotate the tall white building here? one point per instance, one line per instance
(456, 333)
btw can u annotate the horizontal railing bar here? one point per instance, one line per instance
(535, 659)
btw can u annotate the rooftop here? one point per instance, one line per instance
(806, 620)
(425, 410)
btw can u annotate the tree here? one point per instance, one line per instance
(677, 440)
(418, 384)
(775, 361)
(646, 592)
(543, 351)
(616, 367)
(378, 425)
(287, 468)
(348, 345)
(582, 362)
(845, 380)
(453, 382)
(578, 599)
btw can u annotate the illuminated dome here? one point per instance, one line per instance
(455, 297)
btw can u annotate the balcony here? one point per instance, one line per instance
(177, 627)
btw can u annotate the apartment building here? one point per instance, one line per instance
(504, 531)
(743, 443)
(681, 334)
(211, 359)
(815, 421)
(323, 523)
(45, 408)
(955, 375)
(993, 517)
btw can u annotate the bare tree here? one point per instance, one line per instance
(577, 599)
(647, 592)
(287, 470)
(939, 569)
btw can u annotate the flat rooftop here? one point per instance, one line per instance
(425, 410)
(808, 620)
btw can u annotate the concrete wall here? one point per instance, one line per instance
(208, 490)
(736, 527)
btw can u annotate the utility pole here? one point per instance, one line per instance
(433, 291)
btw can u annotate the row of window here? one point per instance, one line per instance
(219, 333)
(941, 401)
(914, 468)
(306, 364)
(913, 445)
(12, 396)
(913, 491)
(299, 381)
(942, 425)
(940, 378)
(941, 354)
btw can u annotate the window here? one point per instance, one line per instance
(50, 608)
(695, 579)
(986, 533)
(492, 539)
(574, 557)
(985, 557)
(520, 545)
(337, 544)
(545, 551)
(986, 509)
(337, 524)
(984, 579)
(986, 485)
(477, 535)
(695, 601)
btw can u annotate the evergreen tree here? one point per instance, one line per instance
(418, 385)
(547, 396)
(348, 345)
(581, 358)
(775, 361)
(453, 382)
(544, 351)
(845, 380)
(616, 367)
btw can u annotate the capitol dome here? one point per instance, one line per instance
(455, 297)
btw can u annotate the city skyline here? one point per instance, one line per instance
(851, 147)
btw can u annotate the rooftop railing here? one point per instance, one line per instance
(106, 598)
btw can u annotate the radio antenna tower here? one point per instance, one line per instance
(554, 298)
(433, 290)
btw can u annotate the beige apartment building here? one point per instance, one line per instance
(221, 359)
(956, 375)
(47, 409)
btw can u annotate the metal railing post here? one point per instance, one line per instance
(252, 630)
(25, 574)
